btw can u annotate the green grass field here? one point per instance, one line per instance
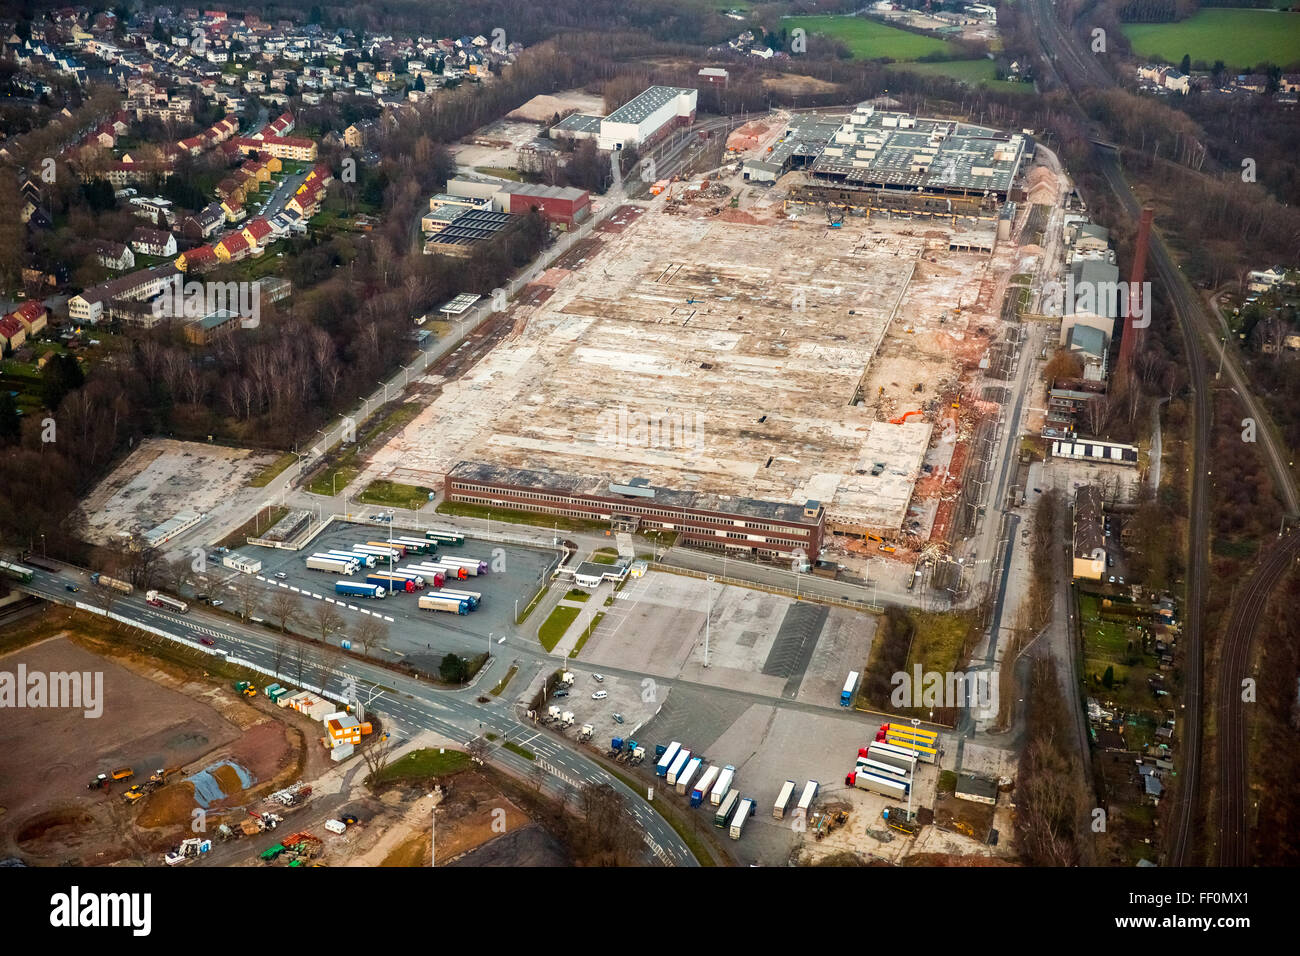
(1240, 38)
(393, 494)
(970, 72)
(420, 766)
(869, 39)
(553, 627)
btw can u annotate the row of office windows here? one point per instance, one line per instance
(676, 514)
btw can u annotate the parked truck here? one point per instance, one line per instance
(688, 774)
(158, 599)
(473, 597)
(452, 572)
(324, 562)
(400, 549)
(104, 581)
(666, 758)
(702, 786)
(448, 538)
(726, 808)
(365, 560)
(806, 800)
(783, 799)
(390, 583)
(723, 785)
(435, 602)
(880, 767)
(744, 810)
(850, 685)
(877, 783)
(433, 576)
(359, 589)
(904, 760)
(683, 758)
(472, 566)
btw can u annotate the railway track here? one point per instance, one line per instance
(1233, 847)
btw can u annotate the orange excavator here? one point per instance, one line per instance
(902, 418)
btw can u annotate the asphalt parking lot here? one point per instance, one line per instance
(515, 575)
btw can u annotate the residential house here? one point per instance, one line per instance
(12, 333)
(32, 315)
(114, 255)
(153, 242)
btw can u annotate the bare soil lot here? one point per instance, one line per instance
(162, 477)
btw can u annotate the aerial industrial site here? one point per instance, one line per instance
(781, 444)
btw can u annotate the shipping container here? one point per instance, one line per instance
(104, 581)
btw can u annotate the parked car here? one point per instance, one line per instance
(1111, 579)
(501, 639)
(561, 693)
(280, 575)
(209, 642)
(599, 695)
(218, 602)
(598, 677)
(618, 718)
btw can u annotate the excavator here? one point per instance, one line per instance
(902, 418)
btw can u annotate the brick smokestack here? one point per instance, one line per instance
(1132, 337)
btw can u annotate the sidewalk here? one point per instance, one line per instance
(589, 609)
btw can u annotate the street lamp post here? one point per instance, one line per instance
(916, 722)
(708, 620)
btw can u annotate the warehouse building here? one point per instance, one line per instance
(740, 526)
(642, 120)
(647, 117)
(887, 161)
(561, 205)
(465, 232)
(1089, 534)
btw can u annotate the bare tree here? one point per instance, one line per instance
(376, 753)
(249, 593)
(326, 620)
(284, 608)
(279, 650)
(369, 632)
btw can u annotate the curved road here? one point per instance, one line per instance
(408, 704)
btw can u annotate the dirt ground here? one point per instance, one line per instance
(154, 716)
(163, 477)
(541, 108)
(472, 813)
(798, 85)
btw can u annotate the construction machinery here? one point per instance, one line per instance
(133, 794)
(187, 850)
(246, 688)
(160, 775)
(100, 782)
(903, 417)
(896, 819)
